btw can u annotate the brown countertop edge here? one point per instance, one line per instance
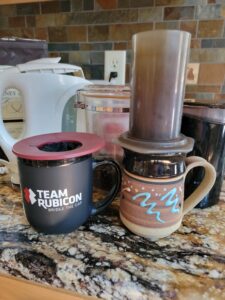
(13, 288)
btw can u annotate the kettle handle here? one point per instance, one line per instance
(6, 140)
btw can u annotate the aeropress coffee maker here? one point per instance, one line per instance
(154, 164)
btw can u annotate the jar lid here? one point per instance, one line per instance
(105, 99)
(206, 111)
(106, 87)
(58, 146)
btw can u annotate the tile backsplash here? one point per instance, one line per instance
(81, 30)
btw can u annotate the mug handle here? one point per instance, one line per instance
(207, 183)
(102, 204)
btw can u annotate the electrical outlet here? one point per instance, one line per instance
(115, 66)
(192, 73)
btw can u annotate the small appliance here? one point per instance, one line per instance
(45, 88)
(205, 122)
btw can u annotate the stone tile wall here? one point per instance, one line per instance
(81, 30)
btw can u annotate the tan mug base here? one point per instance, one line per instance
(152, 234)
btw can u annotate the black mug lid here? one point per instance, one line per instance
(58, 146)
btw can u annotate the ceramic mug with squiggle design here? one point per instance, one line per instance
(153, 207)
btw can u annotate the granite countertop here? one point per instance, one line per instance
(104, 259)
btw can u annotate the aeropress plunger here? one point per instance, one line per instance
(154, 146)
(157, 90)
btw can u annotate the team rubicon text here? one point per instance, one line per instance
(52, 198)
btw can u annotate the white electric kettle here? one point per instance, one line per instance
(45, 91)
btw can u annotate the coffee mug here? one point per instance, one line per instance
(152, 193)
(56, 178)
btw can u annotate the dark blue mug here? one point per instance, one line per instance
(56, 178)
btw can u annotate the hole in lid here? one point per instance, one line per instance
(60, 146)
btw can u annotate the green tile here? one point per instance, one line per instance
(93, 71)
(64, 57)
(134, 3)
(177, 2)
(204, 96)
(45, 20)
(28, 9)
(8, 10)
(76, 5)
(52, 47)
(179, 13)
(55, 7)
(141, 3)
(80, 57)
(105, 17)
(101, 46)
(208, 55)
(65, 6)
(57, 34)
(123, 3)
(208, 11)
(128, 56)
(88, 4)
(4, 22)
(30, 21)
(167, 25)
(97, 57)
(98, 33)
(213, 43)
(150, 14)
(48, 20)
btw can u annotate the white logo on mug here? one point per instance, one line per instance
(52, 200)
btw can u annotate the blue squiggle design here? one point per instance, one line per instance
(151, 205)
(171, 202)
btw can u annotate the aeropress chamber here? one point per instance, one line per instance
(154, 140)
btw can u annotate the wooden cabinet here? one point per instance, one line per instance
(20, 1)
(15, 288)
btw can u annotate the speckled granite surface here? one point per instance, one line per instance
(103, 259)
